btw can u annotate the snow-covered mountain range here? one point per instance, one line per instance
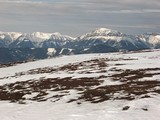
(103, 35)
(100, 40)
(33, 40)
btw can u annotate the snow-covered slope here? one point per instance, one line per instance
(112, 86)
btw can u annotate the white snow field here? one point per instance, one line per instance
(110, 86)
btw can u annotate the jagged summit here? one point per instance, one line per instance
(101, 32)
(104, 31)
(151, 38)
(35, 36)
(42, 35)
(10, 35)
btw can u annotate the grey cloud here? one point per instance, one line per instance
(76, 17)
(140, 11)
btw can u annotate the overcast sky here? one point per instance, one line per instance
(76, 17)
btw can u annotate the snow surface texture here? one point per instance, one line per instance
(113, 86)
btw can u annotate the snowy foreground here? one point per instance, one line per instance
(111, 86)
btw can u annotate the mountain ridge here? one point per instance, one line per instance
(99, 33)
(101, 40)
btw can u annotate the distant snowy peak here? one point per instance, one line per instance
(10, 35)
(56, 34)
(41, 36)
(35, 36)
(154, 39)
(103, 33)
(151, 38)
(59, 36)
